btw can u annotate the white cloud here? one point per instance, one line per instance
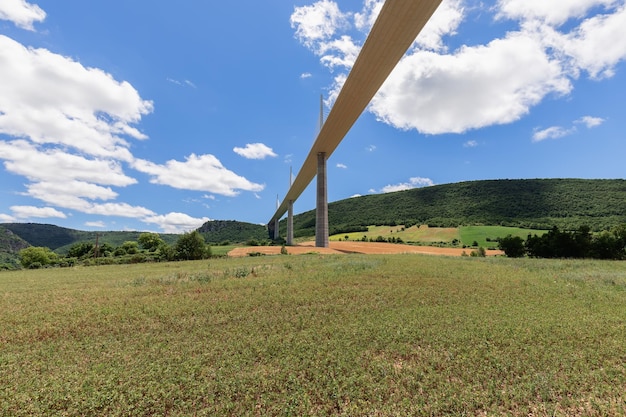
(70, 189)
(28, 212)
(371, 148)
(305, 75)
(553, 132)
(51, 99)
(255, 151)
(342, 166)
(5, 218)
(340, 53)
(176, 222)
(554, 12)
(556, 132)
(590, 121)
(414, 182)
(68, 129)
(184, 83)
(199, 173)
(476, 87)
(56, 165)
(497, 82)
(445, 21)
(118, 209)
(316, 26)
(317, 22)
(22, 13)
(366, 18)
(597, 45)
(355, 195)
(98, 224)
(470, 144)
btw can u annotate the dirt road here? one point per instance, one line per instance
(356, 247)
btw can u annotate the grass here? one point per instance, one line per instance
(480, 234)
(316, 335)
(423, 234)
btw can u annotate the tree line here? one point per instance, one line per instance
(581, 243)
(149, 247)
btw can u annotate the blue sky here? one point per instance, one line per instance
(118, 115)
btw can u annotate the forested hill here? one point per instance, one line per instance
(535, 203)
(61, 238)
(15, 236)
(219, 231)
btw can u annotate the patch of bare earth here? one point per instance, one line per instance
(356, 247)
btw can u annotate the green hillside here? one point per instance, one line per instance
(16, 236)
(218, 231)
(60, 239)
(536, 204)
(10, 245)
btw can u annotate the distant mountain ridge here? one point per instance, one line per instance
(16, 236)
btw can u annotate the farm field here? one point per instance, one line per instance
(316, 335)
(423, 234)
(480, 234)
(416, 233)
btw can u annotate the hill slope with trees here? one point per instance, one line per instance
(535, 203)
(218, 231)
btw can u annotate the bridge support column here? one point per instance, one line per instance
(321, 212)
(290, 224)
(276, 229)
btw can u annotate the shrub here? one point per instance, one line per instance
(35, 257)
(513, 246)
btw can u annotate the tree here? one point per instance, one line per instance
(513, 246)
(150, 241)
(607, 246)
(130, 247)
(36, 257)
(80, 249)
(190, 246)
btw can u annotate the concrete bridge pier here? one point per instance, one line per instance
(290, 224)
(276, 229)
(321, 212)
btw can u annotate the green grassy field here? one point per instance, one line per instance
(480, 234)
(466, 235)
(349, 335)
(422, 234)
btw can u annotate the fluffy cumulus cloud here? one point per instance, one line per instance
(53, 100)
(255, 151)
(199, 173)
(551, 12)
(27, 212)
(69, 130)
(177, 222)
(414, 182)
(317, 22)
(435, 90)
(475, 87)
(22, 13)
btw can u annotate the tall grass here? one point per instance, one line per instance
(316, 335)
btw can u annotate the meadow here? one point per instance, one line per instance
(313, 335)
(485, 236)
